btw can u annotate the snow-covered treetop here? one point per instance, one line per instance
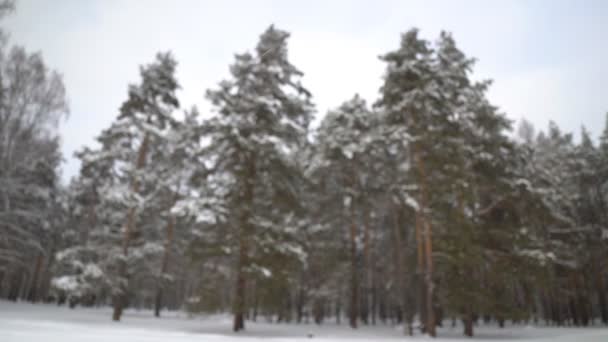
(346, 130)
(265, 92)
(154, 100)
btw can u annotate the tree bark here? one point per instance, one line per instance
(428, 248)
(318, 311)
(239, 306)
(338, 310)
(119, 298)
(300, 304)
(468, 326)
(420, 271)
(244, 235)
(374, 299)
(15, 285)
(354, 280)
(601, 294)
(467, 321)
(501, 321)
(164, 266)
(399, 273)
(365, 308)
(33, 292)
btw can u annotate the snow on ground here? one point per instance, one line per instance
(49, 323)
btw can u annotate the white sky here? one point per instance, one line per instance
(548, 59)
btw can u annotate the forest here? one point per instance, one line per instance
(427, 207)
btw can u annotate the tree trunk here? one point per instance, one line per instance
(119, 296)
(572, 302)
(164, 266)
(428, 250)
(255, 301)
(339, 306)
(33, 293)
(582, 301)
(354, 281)
(430, 311)
(119, 299)
(239, 306)
(374, 299)
(501, 321)
(365, 305)
(300, 303)
(601, 294)
(420, 270)
(244, 235)
(557, 309)
(15, 286)
(399, 273)
(382, 308)
(468, 322)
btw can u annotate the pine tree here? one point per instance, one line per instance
(408, 98)
(114, 179)
(459, 154)
(263, 115)
(148, 110)
(342, 162)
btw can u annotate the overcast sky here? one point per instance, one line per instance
(548, 59)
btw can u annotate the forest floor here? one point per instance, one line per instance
(26, 322)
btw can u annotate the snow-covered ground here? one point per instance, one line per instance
(49, 323)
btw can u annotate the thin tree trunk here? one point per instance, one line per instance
(33, 292)
(429, 282)
(255, 301)
(339, 310)
(164, 265)
(15, 285)
(572, 301)
(244, 234)
(468, 322)
(354, 282)
(382, 307)
(365, 310)
(601, 294)
(240, 288)
(300, 304)
(374, 299)
(582, 301)
(399, 274)
(119, 298)
(319, 311)
(428, 249)
(24, 286)
(239, 306)
(501, 321)
(420, 270)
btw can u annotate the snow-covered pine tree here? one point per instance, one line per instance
(553, 227)
(341, 163)
(120, 202)
(179, 194)
(263, 114)
(409, 102)
(456, 144)
(592, 217)
(86, 264)
(78, 276)
(148, 111)
(480, 221)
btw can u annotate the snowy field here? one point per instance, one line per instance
(49, 323)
